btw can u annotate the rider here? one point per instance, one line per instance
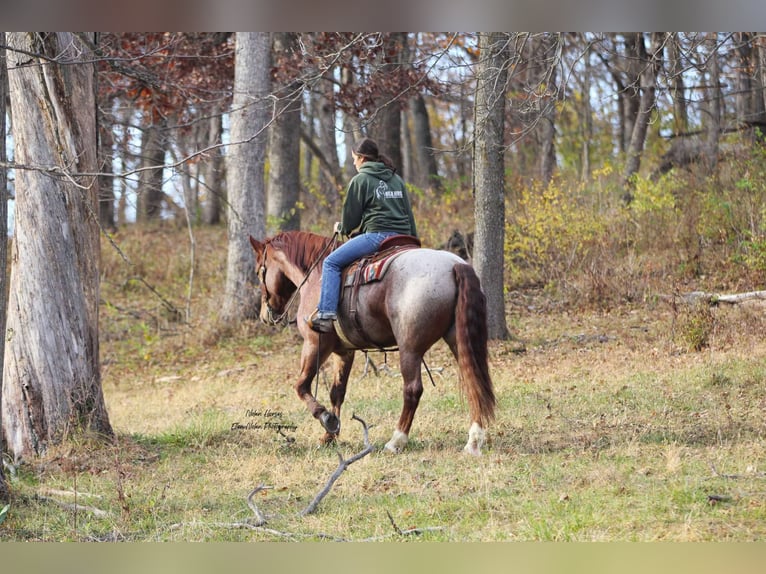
(377, 203)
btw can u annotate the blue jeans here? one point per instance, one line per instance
(336, 261)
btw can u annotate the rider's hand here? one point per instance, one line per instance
(336, 228)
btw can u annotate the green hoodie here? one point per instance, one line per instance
(376, 200)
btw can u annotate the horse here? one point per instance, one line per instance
(424, 296)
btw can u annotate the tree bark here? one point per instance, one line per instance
(246, 161)
(325, 114)
(648, 80)
(214, 172)
(489, 190)
(284, 150)
(713, 119)
(52, 379)
(678, 90)
(386, 127)
(4, 493)
(106, 183)
(424, 146)
(149, 204)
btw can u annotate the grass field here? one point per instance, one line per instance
(610, 427)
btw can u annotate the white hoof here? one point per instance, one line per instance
(397, 443)
(475, 440)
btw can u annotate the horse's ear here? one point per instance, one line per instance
(257, 245)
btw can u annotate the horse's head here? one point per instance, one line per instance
(276, 288)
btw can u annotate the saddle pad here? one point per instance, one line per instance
(369, 269)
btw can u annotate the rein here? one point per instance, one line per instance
(282, 317)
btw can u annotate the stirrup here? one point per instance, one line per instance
(320, 324)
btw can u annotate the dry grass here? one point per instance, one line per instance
(609, 428)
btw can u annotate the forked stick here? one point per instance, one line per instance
(342, 466)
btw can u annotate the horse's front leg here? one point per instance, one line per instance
(409, 364)
(314, 353)
(343, 363)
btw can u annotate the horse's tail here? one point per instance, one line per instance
(471, 332)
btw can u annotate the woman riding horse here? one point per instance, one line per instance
(376, 203)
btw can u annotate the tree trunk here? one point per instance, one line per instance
(635, 52)
(546, 57)
(586, 118)
(386, 127)
(489, 190)
(678, 90)
(713, 119)
(424, 172)
(246, 160)
(648, 79)
(4, 493)
(106, 181)
(149, 204)
(424, 146)
(352, 129)
(325, 114)
(284, 150)
(214, 172)
(52, 379)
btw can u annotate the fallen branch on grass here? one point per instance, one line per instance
(409, 531)
(342, 466)
(259, 522)
(97, 512)
(736, 476)
(715, 298)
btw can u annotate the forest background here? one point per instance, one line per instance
(631, 176)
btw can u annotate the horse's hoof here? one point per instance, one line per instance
(330, 422)
(328, 439)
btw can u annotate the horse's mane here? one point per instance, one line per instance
(302, 248)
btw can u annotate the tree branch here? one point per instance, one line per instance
(342, 466)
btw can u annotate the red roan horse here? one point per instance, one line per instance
(425, 295)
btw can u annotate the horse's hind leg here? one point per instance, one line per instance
(476, 434)
(409, 364)
(343, 363)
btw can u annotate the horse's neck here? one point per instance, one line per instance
(293, 272)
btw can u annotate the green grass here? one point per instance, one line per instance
(631, 437)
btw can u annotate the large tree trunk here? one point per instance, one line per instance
(246, 160)
(285, 147)
(52, 379)
(4, 494)
(489, 191)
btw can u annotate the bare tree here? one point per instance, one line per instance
(713, 119)
(284, 149)
(650, 66)
(4, 494)
(386, 127)
(214, 171)
(52, 379)
(245, 168)
(489, 190)
(150, 179)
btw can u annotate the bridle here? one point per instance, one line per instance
(274, 317)
(274, 320)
